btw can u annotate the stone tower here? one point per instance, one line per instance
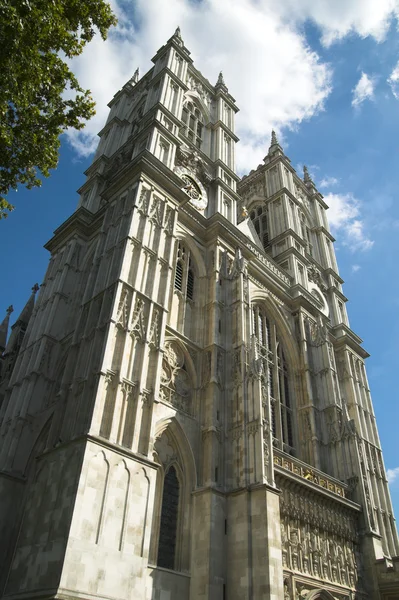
(187, 415)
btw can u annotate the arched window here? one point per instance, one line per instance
(193, 123)
(169, 516)
(276, 374)
(184, 273)
(259, 216)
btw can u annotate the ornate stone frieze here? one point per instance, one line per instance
(318, 537)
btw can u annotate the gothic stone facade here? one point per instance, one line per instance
(188, 414)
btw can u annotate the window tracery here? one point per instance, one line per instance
(184, 273)
(260, 219)
(193, 123)
(276, 374)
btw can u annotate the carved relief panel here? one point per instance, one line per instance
(176, 384)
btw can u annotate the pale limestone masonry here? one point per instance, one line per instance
(184, 412)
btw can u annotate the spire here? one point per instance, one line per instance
(4, 328)
(220, 84)
(274, 144)
(274, 148)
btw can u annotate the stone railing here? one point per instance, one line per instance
(312, 475)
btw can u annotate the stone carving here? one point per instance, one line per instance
(317, 331)
(156, 211)
(195, 85)
(315, 276)
(169, 220)
(318, 537)
(122, 314)
(137, 329)
(144, 201)
(176, 385)
(153, 337)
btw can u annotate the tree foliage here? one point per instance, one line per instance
(36, 36)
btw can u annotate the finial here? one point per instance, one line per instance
(133, 80)
(177, 36)
(35, 288)
(10, 309)
(306, 177)
(274, 138)
(244, 212)
(220, 82)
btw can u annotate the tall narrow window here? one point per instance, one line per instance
(259, 216)
(184, 273)
(190, 284)
(193, 124)
(277, 378)
(179, 276)
(169, 515)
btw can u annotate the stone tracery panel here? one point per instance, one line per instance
(176, 384)
(318, 537)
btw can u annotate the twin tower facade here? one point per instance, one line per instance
(184, 411)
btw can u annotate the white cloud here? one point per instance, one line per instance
(343, 216)
(328, 182)
(392, 474)
(356, 268)
(277, 79)
(393, 81)
(343, 17)
(363, 90)
(239, 38)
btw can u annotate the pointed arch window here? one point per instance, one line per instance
(277, 376)
(184, 273)
(193, 123)
(260, 218)
(169, 517)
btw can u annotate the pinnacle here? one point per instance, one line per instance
(4, 328)
(220, 82)
(178, 37)
(274, 145)
(306, 177)
(135, 78)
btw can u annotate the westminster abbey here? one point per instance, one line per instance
(184, 408)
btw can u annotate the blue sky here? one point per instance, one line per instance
(325, 77)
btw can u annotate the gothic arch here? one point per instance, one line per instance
(196, 99)
(276, 363)
(192, 246)
(173, 427)
(175, 454)
(264, 299)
